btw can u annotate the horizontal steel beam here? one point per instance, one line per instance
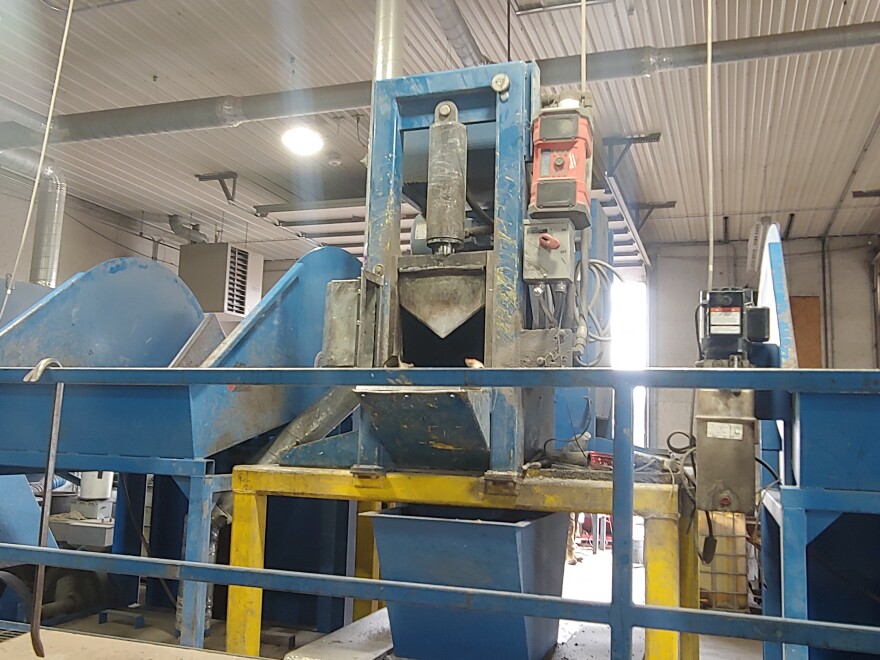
(532, 493)
(789, 380)
(853, 638)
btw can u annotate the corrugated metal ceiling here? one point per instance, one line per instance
(787, 134)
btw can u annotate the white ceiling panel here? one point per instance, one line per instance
(787, 131)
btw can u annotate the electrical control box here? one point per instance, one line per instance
(548, 251)
(730, 322)
(563, 165)
(726, 434)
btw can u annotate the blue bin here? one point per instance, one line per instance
(517, 551)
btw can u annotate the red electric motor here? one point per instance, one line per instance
(563, 164)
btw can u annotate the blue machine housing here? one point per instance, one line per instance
(136, 313)
(820, 526)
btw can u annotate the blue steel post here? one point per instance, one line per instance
(794, 573)
(622, 508)
(771, 602)
(513, 118)
(382, 240)
(198, 533)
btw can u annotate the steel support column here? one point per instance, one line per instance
(622, 509)
(662, 582)
(196, 548)
(244, 613)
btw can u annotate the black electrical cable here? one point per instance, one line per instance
(697, 329)
(138, 528)
(769, 468)
(477, 209)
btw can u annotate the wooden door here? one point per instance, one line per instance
(806, 315)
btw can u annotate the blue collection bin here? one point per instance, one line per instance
(519, 551)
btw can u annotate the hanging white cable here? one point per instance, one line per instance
(10, 284)
(583, 46)
(710, 169)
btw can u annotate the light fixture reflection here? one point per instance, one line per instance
(303, 141)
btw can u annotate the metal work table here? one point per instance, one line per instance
(671, 570)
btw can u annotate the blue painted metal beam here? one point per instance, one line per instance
(815, 634)
(790, 380)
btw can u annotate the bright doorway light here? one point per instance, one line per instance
(629, 343)
(303, 141)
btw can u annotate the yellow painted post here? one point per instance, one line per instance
(247, 549)
(689, 592)
(661, 582)
(366, 561)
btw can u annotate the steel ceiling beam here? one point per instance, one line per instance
(230, 111)
(857, 165)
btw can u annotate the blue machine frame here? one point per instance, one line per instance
(405, 105)
(621, 614)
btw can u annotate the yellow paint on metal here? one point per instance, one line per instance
(532, 493)
(689, 596)
(657, 503)
(661, 583)
(366, 561)
(247, 549)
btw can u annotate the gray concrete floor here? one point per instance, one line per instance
(590, 579)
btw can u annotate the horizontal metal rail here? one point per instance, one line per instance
(790, 380)
(621, 614)
(772, 629)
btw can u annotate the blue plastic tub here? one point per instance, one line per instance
(516, 551)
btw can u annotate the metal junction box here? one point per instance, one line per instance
(548, 251)
(726, 433)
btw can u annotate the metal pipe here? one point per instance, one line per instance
(389, 39)
(826, 308)
(179, 227)
(646, 61)
(458, 33)
(46, 254)
(50, 212)
(314, 423)
(230, 111)
(22, 115)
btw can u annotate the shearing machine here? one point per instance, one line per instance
(452, 404)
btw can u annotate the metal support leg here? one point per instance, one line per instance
(661, 583)
(794, 574)
(198, 538)
(771, 601)
(594, 537)
(366, 561)
(622, 508)
(689, 585)
(247, 549)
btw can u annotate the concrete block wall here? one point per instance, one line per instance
(679, 274)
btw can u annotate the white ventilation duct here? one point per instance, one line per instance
(49, 219)
(457, 32)
(229, 111)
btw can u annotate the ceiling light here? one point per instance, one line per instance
(303, 141)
